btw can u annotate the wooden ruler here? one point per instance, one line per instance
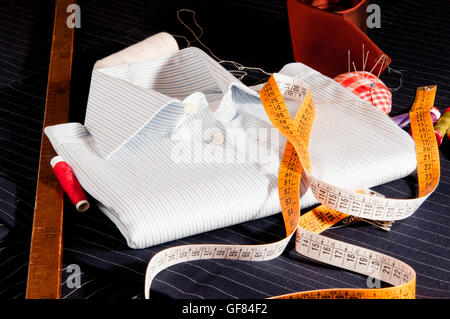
(44, 272)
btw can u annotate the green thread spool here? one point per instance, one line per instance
(442, 126)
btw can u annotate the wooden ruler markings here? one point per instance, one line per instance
(44, 271)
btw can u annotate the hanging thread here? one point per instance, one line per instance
(240, 72)
(389, 68)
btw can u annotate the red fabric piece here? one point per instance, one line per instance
(322, 32)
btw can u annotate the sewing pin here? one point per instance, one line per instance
(348, 55)
(381, 56)
(381, 68)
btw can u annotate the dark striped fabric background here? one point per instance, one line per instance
(415, 34)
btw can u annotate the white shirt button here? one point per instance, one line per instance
(190, 108)
(218, 138)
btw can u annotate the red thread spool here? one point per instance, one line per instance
(69, 183)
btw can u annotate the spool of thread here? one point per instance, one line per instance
(158, 45)
(368, 87)
(442, 126)
(69, 183)
(402, 120)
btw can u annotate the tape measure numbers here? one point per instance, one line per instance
(337, 203)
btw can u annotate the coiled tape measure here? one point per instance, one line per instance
(336, 203)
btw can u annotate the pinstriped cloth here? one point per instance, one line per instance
(369, 88)
(161, 169)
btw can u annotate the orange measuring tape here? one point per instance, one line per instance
(336, 203)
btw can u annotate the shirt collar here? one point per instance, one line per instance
(126, 98)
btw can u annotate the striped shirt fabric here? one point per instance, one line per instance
(177, 146)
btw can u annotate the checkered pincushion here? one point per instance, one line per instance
(368, 87)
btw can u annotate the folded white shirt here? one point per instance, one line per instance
(176, 146)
